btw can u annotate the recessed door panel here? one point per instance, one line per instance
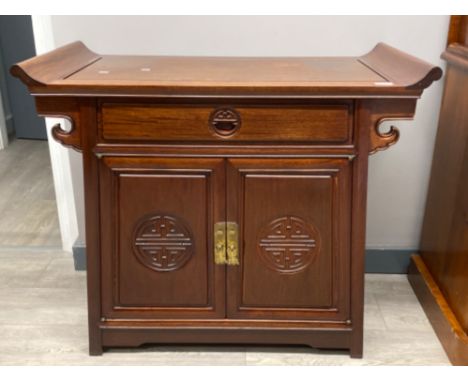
(158, 255)
(293, 218)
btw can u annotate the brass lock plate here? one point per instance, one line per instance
(232, 238)
(226, 243)
(220, 243)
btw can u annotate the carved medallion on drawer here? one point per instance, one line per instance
(162, 243)
(288, 244)
(225, 121)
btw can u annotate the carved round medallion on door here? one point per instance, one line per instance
(288, 244)
(162, 242)
(225, 121)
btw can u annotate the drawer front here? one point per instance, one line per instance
(148, 122)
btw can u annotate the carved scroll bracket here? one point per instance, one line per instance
(62, 108)
(380, 141)
(70, 138)
(381, 111)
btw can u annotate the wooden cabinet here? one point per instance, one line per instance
(439, 273)
(225, 197)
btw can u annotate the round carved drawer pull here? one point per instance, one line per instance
(225, 121)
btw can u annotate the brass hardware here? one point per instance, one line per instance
(226, 243)
(232, 238)
(220, 243)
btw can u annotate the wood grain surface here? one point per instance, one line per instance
(74, 69)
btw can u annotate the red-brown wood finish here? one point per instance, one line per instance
(147, 122)
(294, 223)
(439, 274)
(170, 274)
(226, 197)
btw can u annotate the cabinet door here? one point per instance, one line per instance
(293, 219)
(157, 218)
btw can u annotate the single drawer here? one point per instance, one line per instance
(148, 122)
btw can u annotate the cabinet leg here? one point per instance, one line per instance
(356, 350)
(95, 346)
(95, 350)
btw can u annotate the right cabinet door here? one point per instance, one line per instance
(293, 219)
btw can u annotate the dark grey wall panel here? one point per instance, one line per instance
(17, 44)
(388, 260)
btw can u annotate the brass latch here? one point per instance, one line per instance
(220, 243)
(226, 243)
(232, 238)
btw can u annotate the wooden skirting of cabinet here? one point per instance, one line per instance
(449, 330)
(225, 197)
(439, 273)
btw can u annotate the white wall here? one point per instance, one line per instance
(61, 158)
(398, 177)
(3, 121)
(3, 127)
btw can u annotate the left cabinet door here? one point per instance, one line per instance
(157, 218)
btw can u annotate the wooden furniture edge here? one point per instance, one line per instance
(454, 29)
(443, 320)
(388, 61)
(456, 54)
(44, 70)
(137, 336)
(458, 30)
(54, 65)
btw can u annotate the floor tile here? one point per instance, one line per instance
(27, 197)
(60, 273)
(403, 312)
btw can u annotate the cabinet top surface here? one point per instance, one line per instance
(206, 71)
(75, 70)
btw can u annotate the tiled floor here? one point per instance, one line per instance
(28, 211)
(43, 321)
